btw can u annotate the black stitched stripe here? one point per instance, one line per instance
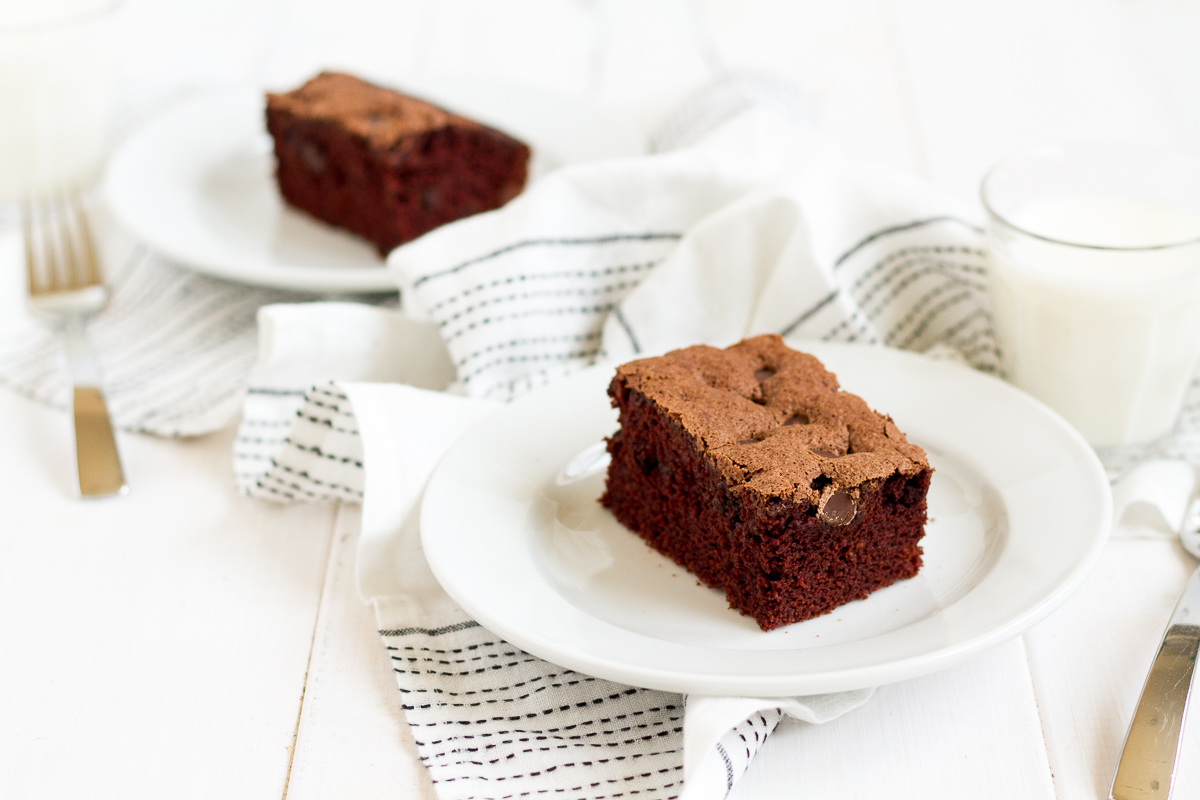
(896, 281)
(728, 768)
(571, 734)
(576, 354)
(624, 323)
(577, 337)
(577, 739)
(326, 485)
(810, 313)
(908, 226)
(933, 314)
(603, 308)
(565, 765)
(259, 440)
(510, 384)
(561, 241)
(483, 305)
(908, 270)
(320, 453)
(464, 649)
(519, 685)
(542, 276)
(917, 255)
(327, 392)
(918, 306)
(276, 392)
(459, 626)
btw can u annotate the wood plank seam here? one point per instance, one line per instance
(330, 569)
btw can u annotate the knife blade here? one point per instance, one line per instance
(1147, 766)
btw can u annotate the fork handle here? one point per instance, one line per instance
(1147, 767)
(96, 455)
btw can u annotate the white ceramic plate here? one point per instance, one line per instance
(1019, 510)
(197, 183)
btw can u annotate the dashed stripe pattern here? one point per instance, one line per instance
(738, 747)
(913, 286)
(299, 446)
(492, 721)
(522, 315)
(176, 349)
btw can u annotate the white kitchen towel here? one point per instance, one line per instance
(490, 720)
(759, 228)
(300, 441)
(762, 227)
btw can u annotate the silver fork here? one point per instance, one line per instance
(63, 281)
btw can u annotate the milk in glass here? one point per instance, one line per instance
(1096, 303)
(58, 80)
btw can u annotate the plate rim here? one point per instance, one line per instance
(540, 644)
(120, 177)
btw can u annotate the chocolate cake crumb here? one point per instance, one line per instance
(751, 468)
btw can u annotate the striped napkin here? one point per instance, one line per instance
(759, 227)
(176, 348)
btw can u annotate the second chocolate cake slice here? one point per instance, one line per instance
(384, 165)
(749, 467)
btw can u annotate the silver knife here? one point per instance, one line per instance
(1146, 769)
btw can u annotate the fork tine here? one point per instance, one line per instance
(51, 255)
(87, 247)
(60, 252)
(30, 257)
(64, 236)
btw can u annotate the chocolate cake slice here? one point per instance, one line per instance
(749, 467)
(384, 165)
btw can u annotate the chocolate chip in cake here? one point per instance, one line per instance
(840, 509)
(796, 419)
(311, 155)
(821, 451)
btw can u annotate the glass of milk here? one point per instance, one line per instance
(1095, 283)
(58, 92)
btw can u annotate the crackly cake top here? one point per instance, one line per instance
(379, 115)
(774, 421)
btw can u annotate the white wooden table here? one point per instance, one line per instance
(187, 642)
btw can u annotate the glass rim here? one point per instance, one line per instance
(994, 213)
(87, 13)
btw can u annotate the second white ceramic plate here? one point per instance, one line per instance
(197, 183)
(1019, 510)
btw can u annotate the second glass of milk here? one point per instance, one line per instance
(1095, 283)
